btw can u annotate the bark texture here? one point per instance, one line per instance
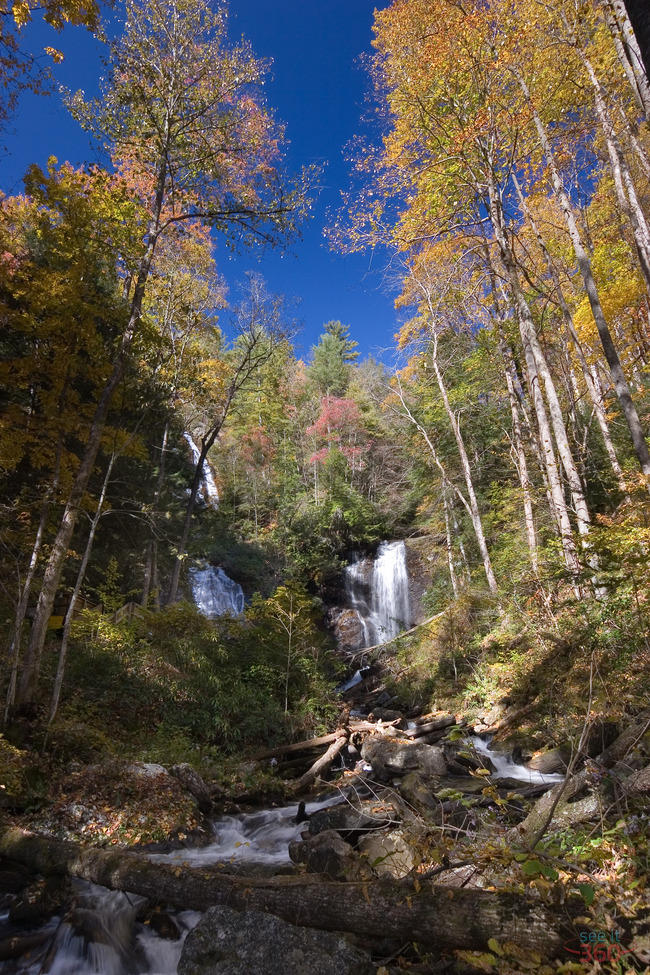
(435, 917)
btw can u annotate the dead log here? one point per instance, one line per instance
(320, 765)
(435, 917)
(312, 744)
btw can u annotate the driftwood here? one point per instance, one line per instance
(320, 765)
(435, 917)
(311, 744)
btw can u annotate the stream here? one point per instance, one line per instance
(101, 933)
(106, 932)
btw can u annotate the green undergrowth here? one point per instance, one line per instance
(587, 658)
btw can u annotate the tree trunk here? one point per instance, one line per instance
(529, 339)
(61, 544)
(433, 916)
(475, 514)
(13, 652)
(628, 52)
(152, 543)
(584, 264)
(81, 575)
(591, 382)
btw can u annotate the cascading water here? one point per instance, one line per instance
(215, 593)
(379, 593)
(103, 933)
(209, 489)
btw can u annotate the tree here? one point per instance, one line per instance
(21, 70)
(181, 119)
(258, 322)
(331, 359)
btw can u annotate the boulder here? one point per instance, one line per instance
(227, 942)
(327, 853)
(389, 757)
(352, 820)
(389, 854)
(194, 784)
(419, 791)
(348, 629)
(551, 760)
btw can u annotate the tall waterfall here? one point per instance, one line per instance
(379, 593)
(209, 488)
(215, 593)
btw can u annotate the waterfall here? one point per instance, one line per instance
(215, 593)
(209, 488)
(379, 593)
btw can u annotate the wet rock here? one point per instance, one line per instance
(389, 757)
(551, 760)
(348, 629)
(351, 820)
(389, 854)
(326, 853)
(227, 942)
(40, 899)
(426, 794)
(194, 784)
(164, 925)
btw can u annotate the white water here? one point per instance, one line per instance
(261, 838)
(505, 768)
(209, 489)
(379, 593)
(215, 593)
(100, 935)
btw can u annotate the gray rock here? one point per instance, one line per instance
(227, 942)
(389, 757)
(327, 853)
(389, 854)
(350, 820)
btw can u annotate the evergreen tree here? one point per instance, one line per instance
(330, 367)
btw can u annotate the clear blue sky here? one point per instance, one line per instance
(317, 89)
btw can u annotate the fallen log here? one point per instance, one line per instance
(320, 765)
(435, 917)
(312, 744)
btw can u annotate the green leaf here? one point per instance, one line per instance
(588, 893)
(531, 868)
(494, 946)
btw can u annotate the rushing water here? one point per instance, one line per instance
(215, 593)
(379, 593)
(506, 768)
(101, 934)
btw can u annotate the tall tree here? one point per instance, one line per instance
(181, 118)
(331, 359)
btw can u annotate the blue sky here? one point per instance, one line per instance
(317, 89)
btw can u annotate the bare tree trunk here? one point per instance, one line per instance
(13, 652)
(528, 338)
(152, 543)
(591, 381)
(81, 575)
(522, 470)
(471, 506)
(61, 544)
(584, 265)
(628, 52)
(450, 551)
